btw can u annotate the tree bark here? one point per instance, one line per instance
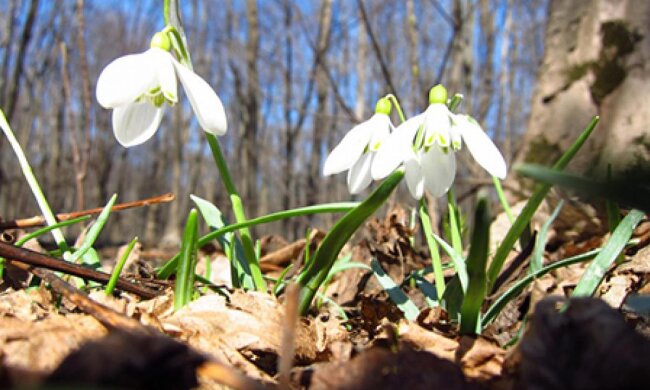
(322, 90)
(597, 62)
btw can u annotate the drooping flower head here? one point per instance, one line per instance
(356, 151)
(426, 145)
(137, 86)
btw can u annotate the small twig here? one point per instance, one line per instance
(40, 221)
(107, 316)
(288, 346)
(22, 255)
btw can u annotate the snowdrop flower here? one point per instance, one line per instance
(356, 151)
(137, 86)
(426, 143)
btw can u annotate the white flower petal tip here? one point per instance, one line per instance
(206, 104)
(414, 178)
(359, 175)
(134, 124)
(482, 148)
(439, 170)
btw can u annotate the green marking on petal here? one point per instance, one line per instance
(158, 100)
(456, 145)
(442, 140)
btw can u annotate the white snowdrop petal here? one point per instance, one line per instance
(135, 123)
(125, 79)
(438, 169)
(395, 148)
(206, 104)
(437, 124)
(482, 148)
(165, 74)
(414, 178)
(359, 175)
(348, 151)
(380, 129)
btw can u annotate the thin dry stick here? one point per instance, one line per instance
(22, 255)
(288, 346)
(40, 221)
(107, 316)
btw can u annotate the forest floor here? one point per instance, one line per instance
(52, 336)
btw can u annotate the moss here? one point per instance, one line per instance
(618, 40)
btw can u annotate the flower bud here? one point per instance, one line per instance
(438, 94)
(161, 41)
(383, 106)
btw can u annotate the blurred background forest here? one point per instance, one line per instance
(294, 76)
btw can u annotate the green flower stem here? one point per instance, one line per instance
(436, 262)
(502, 199)
(186, 267)
(454, 223)
(326, 254)
(50, 219)
(398, 107)
(238, 209)
(110, 286)
(166, 270)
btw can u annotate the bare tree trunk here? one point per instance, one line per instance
(486, 77)
(320, 121)
(250, 163)
(412, 35)
(289, 136)
(594, 63)
(11, 96)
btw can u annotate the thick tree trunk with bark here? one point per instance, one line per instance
(597, 62)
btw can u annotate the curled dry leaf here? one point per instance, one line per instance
(249, 326)
(34, 338)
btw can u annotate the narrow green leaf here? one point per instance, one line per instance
(476, 269)
(428, 290)
(94, 230)
(186, 267)
(394, 292)
(280, 282)
(117, 270)
(523, 219)
(519, 286)
(313, 276)
(502, 199)
(37, 233)
(436, 261)
(240, 272)
(456, 259)
(596, 271)
(168, 268)
(536, 260)
(454, 223)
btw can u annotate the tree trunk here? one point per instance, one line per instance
(320, 122)
(596, 63)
